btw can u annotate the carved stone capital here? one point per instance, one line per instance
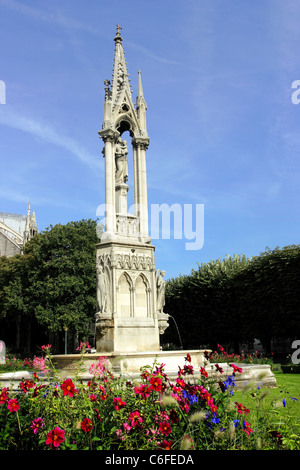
(103, 323)
(142, 142)
(108, 135)
(162, 322)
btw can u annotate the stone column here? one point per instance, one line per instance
(135, 181)
(140, 146)
(110, 213)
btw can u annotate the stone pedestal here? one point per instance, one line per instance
(128, 319)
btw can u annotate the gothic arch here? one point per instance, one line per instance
(124, 297)
(141, 296)
(125, 123)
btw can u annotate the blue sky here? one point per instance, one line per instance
(224, 132)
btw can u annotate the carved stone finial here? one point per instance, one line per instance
(118, 36)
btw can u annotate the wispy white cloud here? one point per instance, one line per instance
(75, 25)
(42, 15)
(150, 54)
(48, 134)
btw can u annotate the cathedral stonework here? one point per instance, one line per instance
(15, 231)
(130, 291)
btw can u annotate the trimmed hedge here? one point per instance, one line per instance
(290, 368)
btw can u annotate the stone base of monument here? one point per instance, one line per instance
(128, 363)
(129, 366)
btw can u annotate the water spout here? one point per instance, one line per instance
(170, 316)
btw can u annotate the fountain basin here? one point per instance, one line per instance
(129, 363)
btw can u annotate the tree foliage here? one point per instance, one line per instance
(237, 299)
(54, 282)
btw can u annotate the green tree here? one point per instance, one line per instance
(238, 299)
(62, 269)
(15, 313)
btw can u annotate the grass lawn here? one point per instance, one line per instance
(268, 403)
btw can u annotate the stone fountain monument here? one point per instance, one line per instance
(130, 313)
(130, 291)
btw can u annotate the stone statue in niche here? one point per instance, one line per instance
(121, 152)
(160, 286)
(102, 289)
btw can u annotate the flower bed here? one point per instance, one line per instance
(111, 413)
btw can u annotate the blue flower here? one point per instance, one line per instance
(236, 422)
(284, 402)
(214, 419)
(191, 398)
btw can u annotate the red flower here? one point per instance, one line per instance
(103, 395)
(165, 428)
(236, 368)
(119, 403)
(155, 383)
(188, 357)
(97, 413)
(180, 382)
(174, 417)
(246, 428)
(188, 370)
(86, 425)
(166, 445)
(13, 405)
(241, 408)
(3, 396)
(135, 418)
(203, 372)
(68, 388)
(142, 390)
(55, 437)
(25, 386)
(206, 355)
(219, 368)
(93, 397)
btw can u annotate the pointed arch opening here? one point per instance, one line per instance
(124, 298)
(141, 297)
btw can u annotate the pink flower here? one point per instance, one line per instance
(246, 428)
(97, 369)
(36, 425)
(13, 405)
(93, 397)
(39, 363)
(126, 427)
(55, 437)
